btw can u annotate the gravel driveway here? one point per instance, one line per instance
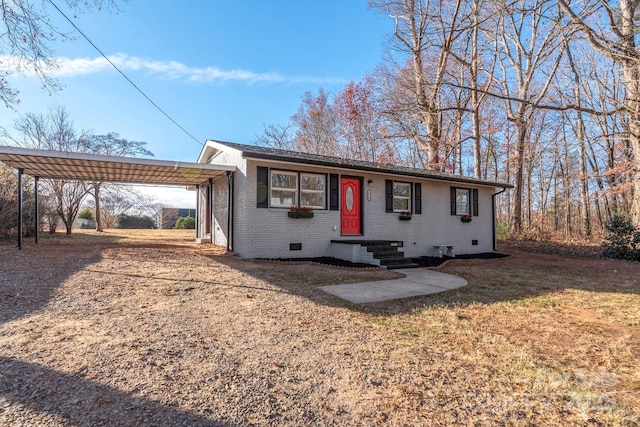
(154, 333)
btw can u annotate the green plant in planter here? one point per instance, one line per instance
(300, 212)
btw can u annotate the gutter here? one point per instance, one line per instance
(493, 213)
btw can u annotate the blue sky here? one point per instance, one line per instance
(221, 69)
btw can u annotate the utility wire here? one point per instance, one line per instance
(124, 75)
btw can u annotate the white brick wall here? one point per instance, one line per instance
(267, 233)
(220, 196)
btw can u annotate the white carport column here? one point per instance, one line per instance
(210, 215)
(230, 197)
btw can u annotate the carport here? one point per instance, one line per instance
(50, 164)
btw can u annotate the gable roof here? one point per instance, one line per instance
(212, 147)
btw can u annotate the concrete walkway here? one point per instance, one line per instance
(417, 281)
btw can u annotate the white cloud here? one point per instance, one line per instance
(70, 67)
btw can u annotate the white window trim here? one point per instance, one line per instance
(298, 190)
(323, 192)
(408, 198)
(284, 189)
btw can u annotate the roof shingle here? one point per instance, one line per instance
(257, 152)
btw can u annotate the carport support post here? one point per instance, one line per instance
(210, 217)
(37, 211)
(197, 211)
(20, 172)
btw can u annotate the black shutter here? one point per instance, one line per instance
(334, 192)
(388, 192)
(475, 201)
(417, 191)
(453, 200)
(262, 189)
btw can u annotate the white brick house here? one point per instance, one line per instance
(352, 201)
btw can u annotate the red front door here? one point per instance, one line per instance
(350, 216)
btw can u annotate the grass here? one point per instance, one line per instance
(535, 339)
(568, 330)
(114, 234)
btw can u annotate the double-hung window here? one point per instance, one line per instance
(462, 201)
(284, 188)
(290, 188)
(312, 190)
(401, 196)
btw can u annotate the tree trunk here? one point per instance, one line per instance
(580, 135)
(632, 74)
(475, 96)
(556, 223)
(518, 189)
(635, 173)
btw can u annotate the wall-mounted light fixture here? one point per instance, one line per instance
(370, 181)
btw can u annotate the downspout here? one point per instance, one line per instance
(230, 211)
(493, 214)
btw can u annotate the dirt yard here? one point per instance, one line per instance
(150, 329)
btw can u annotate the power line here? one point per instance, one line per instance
(124, 75)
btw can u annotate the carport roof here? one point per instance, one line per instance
(94, 167)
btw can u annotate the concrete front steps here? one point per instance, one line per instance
(389, 255)
(384, 253)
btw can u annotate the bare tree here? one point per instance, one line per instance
(427, 30)
(112, 145)
(316, 125)
(276, 136)
(8, 199)
(362, 132)
(611, 30)
(394, 103)
(580, 132)
(121, 199)
(55, 131)
(529, 37)
(26, 39)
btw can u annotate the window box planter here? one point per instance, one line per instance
(466, 218)
(405, 216)
(298, 214)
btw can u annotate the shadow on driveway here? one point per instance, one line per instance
(48, 396)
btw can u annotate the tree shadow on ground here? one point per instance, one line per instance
(46, 396)
(29, 277)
